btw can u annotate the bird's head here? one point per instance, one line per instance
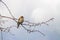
(21, 17)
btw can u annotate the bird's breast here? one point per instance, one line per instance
(21, 20)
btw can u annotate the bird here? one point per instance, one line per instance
(20, 21)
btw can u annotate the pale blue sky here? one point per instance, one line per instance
(34, 11)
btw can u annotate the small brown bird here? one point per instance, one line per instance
(20, 21)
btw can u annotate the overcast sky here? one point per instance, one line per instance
(34, 11)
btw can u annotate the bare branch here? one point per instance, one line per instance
(6, 29)
(37, 24)
(7, 8)
(28, 30)
(9, 18)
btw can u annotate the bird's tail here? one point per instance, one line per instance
(18, 25)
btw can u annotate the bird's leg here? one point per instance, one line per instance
(18, 24)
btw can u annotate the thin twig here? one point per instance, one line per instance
(6, 29)
(36, 24)
(7, 8)
(33, 30)
(9, 18)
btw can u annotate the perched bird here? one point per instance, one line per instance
(20, 21)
